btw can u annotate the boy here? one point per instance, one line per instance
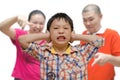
(61, 61)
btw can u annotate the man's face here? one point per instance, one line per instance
(60, 32)
(92, 21)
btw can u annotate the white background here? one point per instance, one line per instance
(9, 8)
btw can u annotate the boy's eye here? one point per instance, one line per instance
(65, 28)
(55, 28)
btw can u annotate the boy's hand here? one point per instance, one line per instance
(72, 36)
(48, 36)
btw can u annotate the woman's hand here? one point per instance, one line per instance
(22, 21)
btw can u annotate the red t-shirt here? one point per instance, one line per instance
(111, 46)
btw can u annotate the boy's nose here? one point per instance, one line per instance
(61, 31)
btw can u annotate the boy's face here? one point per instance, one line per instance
(60, 32)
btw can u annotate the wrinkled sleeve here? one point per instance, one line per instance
(33, 50)
(98, 42)
(88, 50)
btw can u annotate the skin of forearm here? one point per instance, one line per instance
(25, 40)
(87, 38)
(7, 23)
(5, 27)
(115, 60)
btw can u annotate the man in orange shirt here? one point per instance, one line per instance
(92, 20)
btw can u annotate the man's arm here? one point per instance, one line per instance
(101, 59)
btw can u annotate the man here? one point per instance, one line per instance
(92, 20)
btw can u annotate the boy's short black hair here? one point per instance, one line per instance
(60, 16)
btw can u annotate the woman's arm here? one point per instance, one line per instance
(5, 26)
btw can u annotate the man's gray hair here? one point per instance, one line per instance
(90, 7)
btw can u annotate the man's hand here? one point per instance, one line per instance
(101, 59)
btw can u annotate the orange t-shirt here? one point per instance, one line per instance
(111, 46)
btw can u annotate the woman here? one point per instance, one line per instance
(26, 67)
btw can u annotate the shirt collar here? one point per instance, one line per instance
(68, 50)
(101, 31)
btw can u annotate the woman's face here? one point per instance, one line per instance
(37, 23)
